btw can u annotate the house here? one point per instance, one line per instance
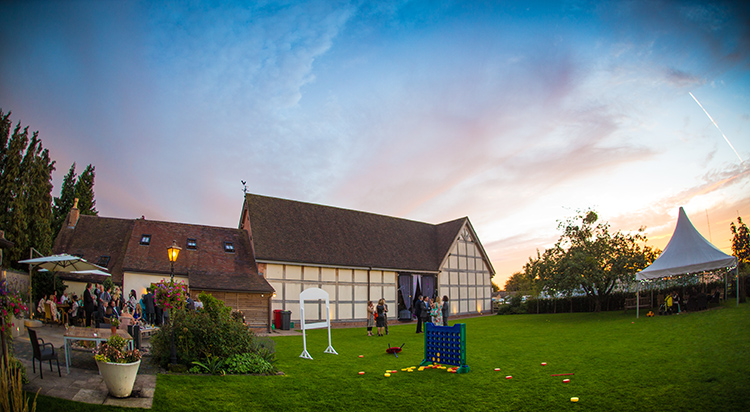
(215, 260)
(358, 256)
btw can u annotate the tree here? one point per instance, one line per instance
(25, 187)
(594, 259)
(741, 250)
(84, 190)
(12, 207)
(81, 188)
(517, 283)
(37, 193)
(65, 202)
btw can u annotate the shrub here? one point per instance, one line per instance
(209, 333)
(248, 363)
(514, 307)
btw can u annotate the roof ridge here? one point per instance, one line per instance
(344, 209)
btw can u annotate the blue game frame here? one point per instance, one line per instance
(445, 345)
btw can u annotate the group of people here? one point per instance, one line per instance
(425, 309)
(104, 305)
(52, 301)
(694, 300)
(428, 310)
(377, 316)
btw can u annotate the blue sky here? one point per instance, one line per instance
(512, 114)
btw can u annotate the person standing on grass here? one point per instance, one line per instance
(380, 320)
(370, 317)
(426, 309)
(437, 313)
(418, 313)
(385, 315)
(445, 310)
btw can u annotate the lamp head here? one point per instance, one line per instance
(173, 251)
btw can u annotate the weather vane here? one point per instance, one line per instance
(244, 186)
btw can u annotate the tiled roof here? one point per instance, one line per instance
(298, 232)
(94, 237)
(208, 267)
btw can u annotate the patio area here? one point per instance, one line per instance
(83, 383)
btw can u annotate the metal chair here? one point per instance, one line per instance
(41, 353)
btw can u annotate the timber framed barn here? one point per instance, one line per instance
(358, 256)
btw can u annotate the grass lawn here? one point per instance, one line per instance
(698, 361)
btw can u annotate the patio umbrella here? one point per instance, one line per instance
(63, 263)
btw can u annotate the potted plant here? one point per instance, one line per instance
(117, 366)
(114, 324)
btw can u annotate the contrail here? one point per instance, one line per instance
(717, 127)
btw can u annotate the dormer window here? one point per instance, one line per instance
(229, 247)
(103, 261)
(145, 240)
(192, 244)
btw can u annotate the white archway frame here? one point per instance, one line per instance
(314, 294)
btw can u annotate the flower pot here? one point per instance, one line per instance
(119, 377)
(113, 329)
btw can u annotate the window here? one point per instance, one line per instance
(192, 244)
(145, 240)
(103, 261)
(229, 247)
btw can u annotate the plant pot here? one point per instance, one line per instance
(113, 329)
(119, 377)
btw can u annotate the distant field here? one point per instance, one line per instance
(692, 362)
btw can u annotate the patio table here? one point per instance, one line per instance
(97, 335)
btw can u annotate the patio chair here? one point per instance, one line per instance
(47, 312)
(42, 353)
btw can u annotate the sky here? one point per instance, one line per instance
(515, 114)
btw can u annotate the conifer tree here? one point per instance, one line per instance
(84, 191)
(38, 195)
(12, 205)
(25, 191)
(65, 202)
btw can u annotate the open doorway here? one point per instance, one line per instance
(410, 287)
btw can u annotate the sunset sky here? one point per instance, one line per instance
(515, 115)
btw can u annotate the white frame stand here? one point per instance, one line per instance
(314, 294)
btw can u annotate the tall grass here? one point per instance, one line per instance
(12, 396)
(696, 361)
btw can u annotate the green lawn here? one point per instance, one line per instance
(697, 361)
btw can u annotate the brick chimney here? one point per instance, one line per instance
(73, 216)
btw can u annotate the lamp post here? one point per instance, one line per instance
(172, 251)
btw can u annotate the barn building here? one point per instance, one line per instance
(357, 256)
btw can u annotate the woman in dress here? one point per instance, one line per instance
(52, 302)
(380, 320)
(132, 301)
(437, 313)
(370, 317)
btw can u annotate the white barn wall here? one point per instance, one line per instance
(466, 278)
(348, 290)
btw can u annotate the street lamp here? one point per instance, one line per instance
(173, 251)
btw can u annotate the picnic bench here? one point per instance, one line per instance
(633, 303)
